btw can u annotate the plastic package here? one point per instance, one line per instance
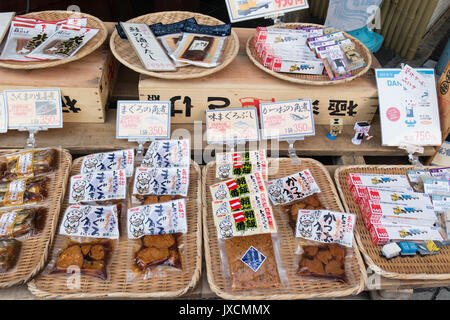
(161, 181)
(236, 164)
(335, 64)
(20, 222)
(9, 254)
(234, 188)
(24, 192)
(108, 161)
(168, 153)
(309, 203)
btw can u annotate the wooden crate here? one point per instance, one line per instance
(243, 84)
(85, 84)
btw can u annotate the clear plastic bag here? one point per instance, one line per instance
(24, 191)
(311, 202)
(10, 250)
(20, 222)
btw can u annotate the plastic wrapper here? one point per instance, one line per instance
(236, 188)
(22, 221)
(168, 153)
(108, 161)
(336, 65)
(161, 181)
(26, 164)
(352, 56)
(9, 254)
(309, 203)
(24, 192)
(416, 178)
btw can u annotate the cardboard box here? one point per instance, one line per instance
(85, 84)
(242, 84)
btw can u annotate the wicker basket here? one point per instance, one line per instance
(88, 48)
(177, 284)
(299, 288)
(309, 79)
(35, 248)
(124, 52)
(436, 267)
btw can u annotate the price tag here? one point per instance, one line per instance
(240, 10)
(284, 120)
(141, 120)
(3, 115)
(34, 109)
(232, 125)
(411, 79)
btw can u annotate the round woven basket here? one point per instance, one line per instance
(310, 79)
(124, 52)
(88, 48)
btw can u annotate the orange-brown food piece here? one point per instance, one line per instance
(72, 256)
(150, 200)
(312, 265)
(85, 249)
(150, 256)
(159, 241)
(334, 267)
(324, 256)
(97, 252)
(165, 198)
(311, 251)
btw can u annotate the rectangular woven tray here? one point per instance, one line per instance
(435, 267)
(172, 284)
(35, 249)
(298, 288)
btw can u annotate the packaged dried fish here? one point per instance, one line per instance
(19, 222)
(9, 254)
(23, 192)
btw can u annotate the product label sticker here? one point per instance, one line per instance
(251, 201)
(441, 202)
(235, 170)
(442, 173)
(3, 114)
(25, 162)
(143, 120)
(326, 226)
(108, 161)
(7, 221)
(232, 125)
(161, 181)
(90, 221)
(157, 219)
(290, 119)
(436, 186)
(234, 188)
(253, 258)
(168, 153)
(415, 175)
(242, 156)
(293, 187)
(98, 186)
(247, 10)
(34, 108)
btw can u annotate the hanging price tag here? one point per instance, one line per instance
(285, 120)
(143, 120)
(240, 10)
(411, 79)
(34, 109)
(3, 115)
(232, 125)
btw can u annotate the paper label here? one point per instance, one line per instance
(143, 119)
(251, 201)
(385, 181)
(293, 187)
(414, 175)
(90, 221)
(442, 173)
(156, 219)
(252, 9)
(98, 186)
(3, 114)
(412, 199)
(234, 188)
(253, 258)
(25, 162)
(168, 153)
(287, 119)
(243, 156)
(441, 202)
(34, 108)
(7, 220)
(108, 161)
(161, 181)
(434, 185)
(232, 125)
(326, 226)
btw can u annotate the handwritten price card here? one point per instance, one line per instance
(232, 125)
(34, 108)
(290, 119)
(143, 119)
(239, 10)
(3, 115)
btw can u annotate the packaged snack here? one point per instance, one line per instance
(151, 199)
(436, 186)
(9, 254)
(404, 198)
(19, 222)
(383, 234)
(251, 201)
(109, 161)
(64, 43)
(252, 262)
(27, 164)
(297, 186)
(161, 181)
(168, 153)
(236, 164)
(385, 181)
(359, 193)
(309, 203)
(243, 156)
(24, 191)
(326, 261)
(157, 219)
(234, 188)
(326, 226)
(98, 186)
(408, 248)
(416, 178)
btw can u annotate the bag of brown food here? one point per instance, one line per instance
(309, 203)
(24, 191)
(22, 221)
(9, 254)
(252, 263)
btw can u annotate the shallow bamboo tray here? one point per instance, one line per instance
(88, 48)
(35, 249)
(310, 79)
(436, 267)
(175, 285)
(298, 288)
(124, 51)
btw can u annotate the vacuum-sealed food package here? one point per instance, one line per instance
(235, 188)
(9, 254)
(24, 191)
(311, 202)
(108, 161)
(19, 222)
(168, 153)
(161, 181)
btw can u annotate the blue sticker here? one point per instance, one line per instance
(253, 258)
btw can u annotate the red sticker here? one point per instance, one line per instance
(393, 114)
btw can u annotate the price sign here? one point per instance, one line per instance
(3, 115)
(232, 125)
(240, 10)
(290, 119)
(141, 120)
(34, 109)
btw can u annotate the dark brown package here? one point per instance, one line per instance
(9, 253)
(309, 203)
(198, 48)
(244, 277)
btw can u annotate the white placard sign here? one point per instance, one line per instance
(143, 120)
(5, 21)
(34, 109)
(3, 114)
